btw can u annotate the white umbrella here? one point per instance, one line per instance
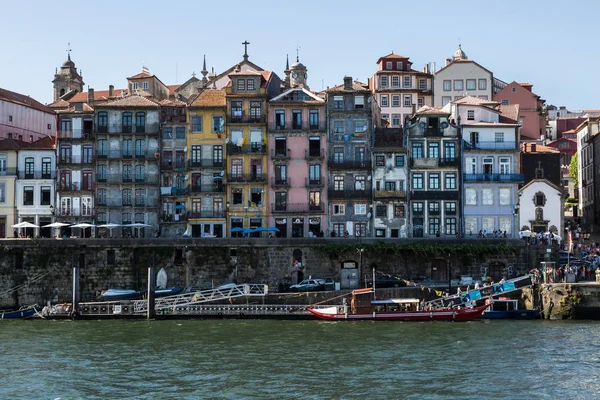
(25, 224)
(525, 234)
(82, 226)
(110, 227)
(57, 225)
(554, 236)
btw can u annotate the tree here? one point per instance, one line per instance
(573, 169)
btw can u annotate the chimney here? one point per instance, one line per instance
(111, 91)
(347, 83)
(90, 96)
(433, 70)
(448, 61)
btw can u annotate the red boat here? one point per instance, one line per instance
(394, 310)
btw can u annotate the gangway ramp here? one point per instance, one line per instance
(204, 296)
(483, 293)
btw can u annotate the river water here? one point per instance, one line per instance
(259, 359)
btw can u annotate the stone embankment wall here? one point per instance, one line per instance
(38, 271)
(565, 300)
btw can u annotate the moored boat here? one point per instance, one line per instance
(394, 310)
(23, 312)
(507, 309)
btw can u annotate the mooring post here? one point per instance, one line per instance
(151, 287)
(75, 308)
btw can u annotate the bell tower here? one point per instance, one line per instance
(67, 79)
(299, 75)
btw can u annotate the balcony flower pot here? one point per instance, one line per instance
(346, 137)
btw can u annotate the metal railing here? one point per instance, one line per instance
(280, 154)
(491, 145)
(252, 148)
(207, 214)
(76, 186)
(75, 134)
(297, 208)
(246, 119)
(173, 165)
(349, 194)
(148, 128)
(246, 178)
(208, 188)
(70, 212)
(493, 177)
(120, 178)
(310, 154)
(175, 191)
(280, 182)
(8, 171)
(206, 163)
(314, 182)
(349, 164)
(37, 174)
(78, 159)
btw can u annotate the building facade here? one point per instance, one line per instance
(8, 177)
(541, 207)
(532, 113)
(24, 119)
(206, 164)
(390, 177)
(587, 170)
(296, 162)
(398, 89)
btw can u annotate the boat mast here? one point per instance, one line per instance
(374, 297)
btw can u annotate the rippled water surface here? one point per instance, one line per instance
(256, 359)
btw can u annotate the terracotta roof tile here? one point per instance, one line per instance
(427, 110)
(10, 144)
(392, 55)
(474, 101)
(529, 148)
(59, 104)
(98, 95)
(17, 98)
(172, 103)
(130, 102)
(210, 98)
(71, 110)
(172, 89)
(45, 143)
(356, 86)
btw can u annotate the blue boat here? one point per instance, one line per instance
(507, 309)
(120, 294)
(23, 312)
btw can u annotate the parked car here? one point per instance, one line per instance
(307, 285)
(387, 281)
(328, 284)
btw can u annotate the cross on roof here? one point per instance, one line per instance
(297, 53)
(245, 43)
(69, 50)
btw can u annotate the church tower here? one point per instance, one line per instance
(67, 79)
(299, 75)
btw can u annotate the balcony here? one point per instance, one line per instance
(76, 187)
(314, 154)
(104, 202)
(297, 208)
(148, 128)
(120, 178)
(349, 194)
(208, 188)
(172, 165)
(349, 164)
(206, 163)
(434, 195)
(75, 160)
(431, 163)
(66, 213)
(280, 154)
(167, 191)
(37, 174)
(280, 182)
(75, 134)
(449, 162)
(145, 154)
(493, 177)
(207, 214)
(490, 145)
(319, 182)
(120, 154)
(390, 194)
(246, 119)
(8, 172)
(246, 178)
(102, 128)
(252, 148)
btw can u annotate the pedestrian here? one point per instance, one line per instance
(346, 234)
(15, 233)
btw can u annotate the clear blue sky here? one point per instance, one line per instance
(550, 44)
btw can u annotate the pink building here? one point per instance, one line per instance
(296, 164)
(23, 118)
(531, 108)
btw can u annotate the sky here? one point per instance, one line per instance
(550, 44)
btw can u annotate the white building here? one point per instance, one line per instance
(461, 77)
(397, 88)
(541, 207)
(35, 185)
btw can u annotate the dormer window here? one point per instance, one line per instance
(399, 65)
(250, 84)
(388, 65)
(135, 86)
(241, 84)
(470, 115)
(145, 85)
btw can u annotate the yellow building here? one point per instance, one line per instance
(8, 176)
(206, 164)
(247, 94)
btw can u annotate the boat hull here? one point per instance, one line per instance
(459, 315)
(25, 313)
(513, 314)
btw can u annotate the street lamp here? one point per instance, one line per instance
(51, 209)
(516, 214)
(360, 251)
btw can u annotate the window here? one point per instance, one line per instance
(482, 84)
(474, 138)
(28, 195)
(140, 122)
(417, 208)
(499, 137)
(360, 209)
(135, 86)
(380, 161)
(450, 227)
(388, 65)
(339, 229)
(514, 89)
(338, 182)
(434, 150)
(488, 165)
(449, 150)
(218, 124)
(140, 197)
(417, 181)
(46, 168)
(422, 84)
(434, 208)
(3, 163)
(446, 100)
(338, 102)
(196, 123)
(313, 119)
(471, 197)
(250, 84)
(127, 148)
(360, 229)
(470, 225)
(10, 118)
(420, 102)
(406, 82)
(241, 84)
(505, 224)
(381, 211)
(395, 119)
(450, 208)
(383, 82)
(360, 126)
(399, 65)
(359, 101)
(399, 210)
(400, 161)
(255, 110)
(338, 154)
(504, 196)
(384, 100)
(127, 172)
(280, 201)
(395, 101)
(487, 197)
(450, 181)
(417, 150)
(140, 173)
(458, 84)
(296, 119)
(470, 115)
(45, 196)
(434, 226)
(447, 86)
(237, 196)
(339, 209)
(434, 181)
(504, 102)
(379, 232)
(395, 81)
(29, 163)
(407, 101)
(338, 126)
(145, 85)
(126, 218)
(314, 174)
(471, 84)
(390, 185)
(102, 121)
(237, 110)
(487, 223)
(540, 199)
(504, 165)
(360, 182)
